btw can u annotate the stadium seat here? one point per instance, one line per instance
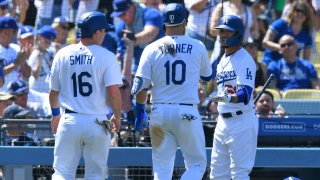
(299, 107)
(275, 93)
(301, 94)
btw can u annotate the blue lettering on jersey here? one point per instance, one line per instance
(179, 48)
(80, 59)
(225, 76)
(248, 75)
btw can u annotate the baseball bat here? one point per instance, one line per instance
(266, 84)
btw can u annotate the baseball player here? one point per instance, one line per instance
(84, 81)
(235, 137)
(173, 66)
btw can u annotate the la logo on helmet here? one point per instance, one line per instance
(225, 20)
(171, 17)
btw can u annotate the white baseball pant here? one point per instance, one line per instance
(234, 147)
(77, 135)
(188, 134)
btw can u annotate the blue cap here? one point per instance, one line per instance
(17, 87)
(8, 22)
(47, 32)
(15, 111)
(120, 6)
(4, 2)
(174, 14)
(25, 31)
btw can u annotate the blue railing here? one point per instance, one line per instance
(128, 156)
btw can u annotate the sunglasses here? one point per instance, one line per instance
(4, 7)
(65, 27)
(290, 43)
(299, 10)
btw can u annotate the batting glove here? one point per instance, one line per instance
(141, 117)
(224, 98)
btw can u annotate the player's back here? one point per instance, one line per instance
(85, 72)
(177, 62)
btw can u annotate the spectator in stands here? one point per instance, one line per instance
(26, 37)
(157, 4)
(26, 41)
(20, 8)
(41, 59)
(265, 107)
(22, 93)
(6, 100)
(16, 135)
(292, 72)
(142, 24)
(4, 7)
(47, 10)
(62, 26)
(12, 57)
(298, 24)
(110, 41)
(262, 71)
(86, 6)
(199, 21)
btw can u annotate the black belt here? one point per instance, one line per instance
(229, 114)
(69, 111)
(183, 104)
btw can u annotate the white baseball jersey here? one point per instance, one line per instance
(172, 74)
(236, 69)
(9, 55)
(81, 74)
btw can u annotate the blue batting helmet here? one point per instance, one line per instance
(91, 21)
(174, 14)
(232, 23)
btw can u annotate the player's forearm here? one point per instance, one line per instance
(54, 98)
(141, 97)
(9, 68)
(147, 35)
(199, 5)
(114, 100)
(127, 63)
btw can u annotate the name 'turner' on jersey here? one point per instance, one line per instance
(178, 48)
(80, 59)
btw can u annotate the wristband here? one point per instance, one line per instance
(140, 106)
(55, 111)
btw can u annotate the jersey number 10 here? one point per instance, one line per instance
(77, 82)
(171, 70)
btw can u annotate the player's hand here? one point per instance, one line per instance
(141, 117)
(54, 123)
(116, 123)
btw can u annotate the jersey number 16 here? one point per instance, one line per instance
(78, 83)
